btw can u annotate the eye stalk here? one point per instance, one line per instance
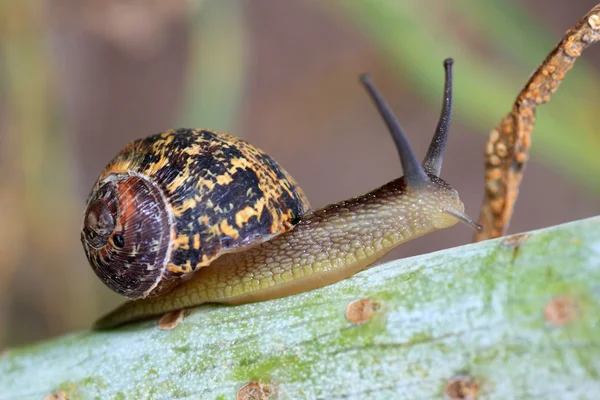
(432, 164)
(413, 172)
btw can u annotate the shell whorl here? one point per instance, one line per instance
(126, 235)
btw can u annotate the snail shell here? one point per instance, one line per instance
(171, 203)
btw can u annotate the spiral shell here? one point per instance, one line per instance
(171, 203)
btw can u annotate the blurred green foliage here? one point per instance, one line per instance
(217, 69)
(413, 35)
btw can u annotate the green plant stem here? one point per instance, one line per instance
(517, 317)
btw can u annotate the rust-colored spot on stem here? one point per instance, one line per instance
(170, 320)
(60, 395)
(594, 21)
(561, 310)
(515, 241)
(462, 387)
(360, 311)
(254, 391)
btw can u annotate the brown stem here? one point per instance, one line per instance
(507, 149)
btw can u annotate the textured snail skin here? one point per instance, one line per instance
(328, 245)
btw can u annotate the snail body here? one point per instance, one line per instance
(301, 250)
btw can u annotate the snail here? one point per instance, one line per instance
(188, 217)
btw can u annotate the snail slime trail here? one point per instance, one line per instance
(239, 228)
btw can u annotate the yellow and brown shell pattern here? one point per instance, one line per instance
(171, 203)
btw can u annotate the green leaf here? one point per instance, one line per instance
(520, 317)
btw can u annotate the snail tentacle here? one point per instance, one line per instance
(432, 164)
(413, 172)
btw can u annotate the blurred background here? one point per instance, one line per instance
(81, 78)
